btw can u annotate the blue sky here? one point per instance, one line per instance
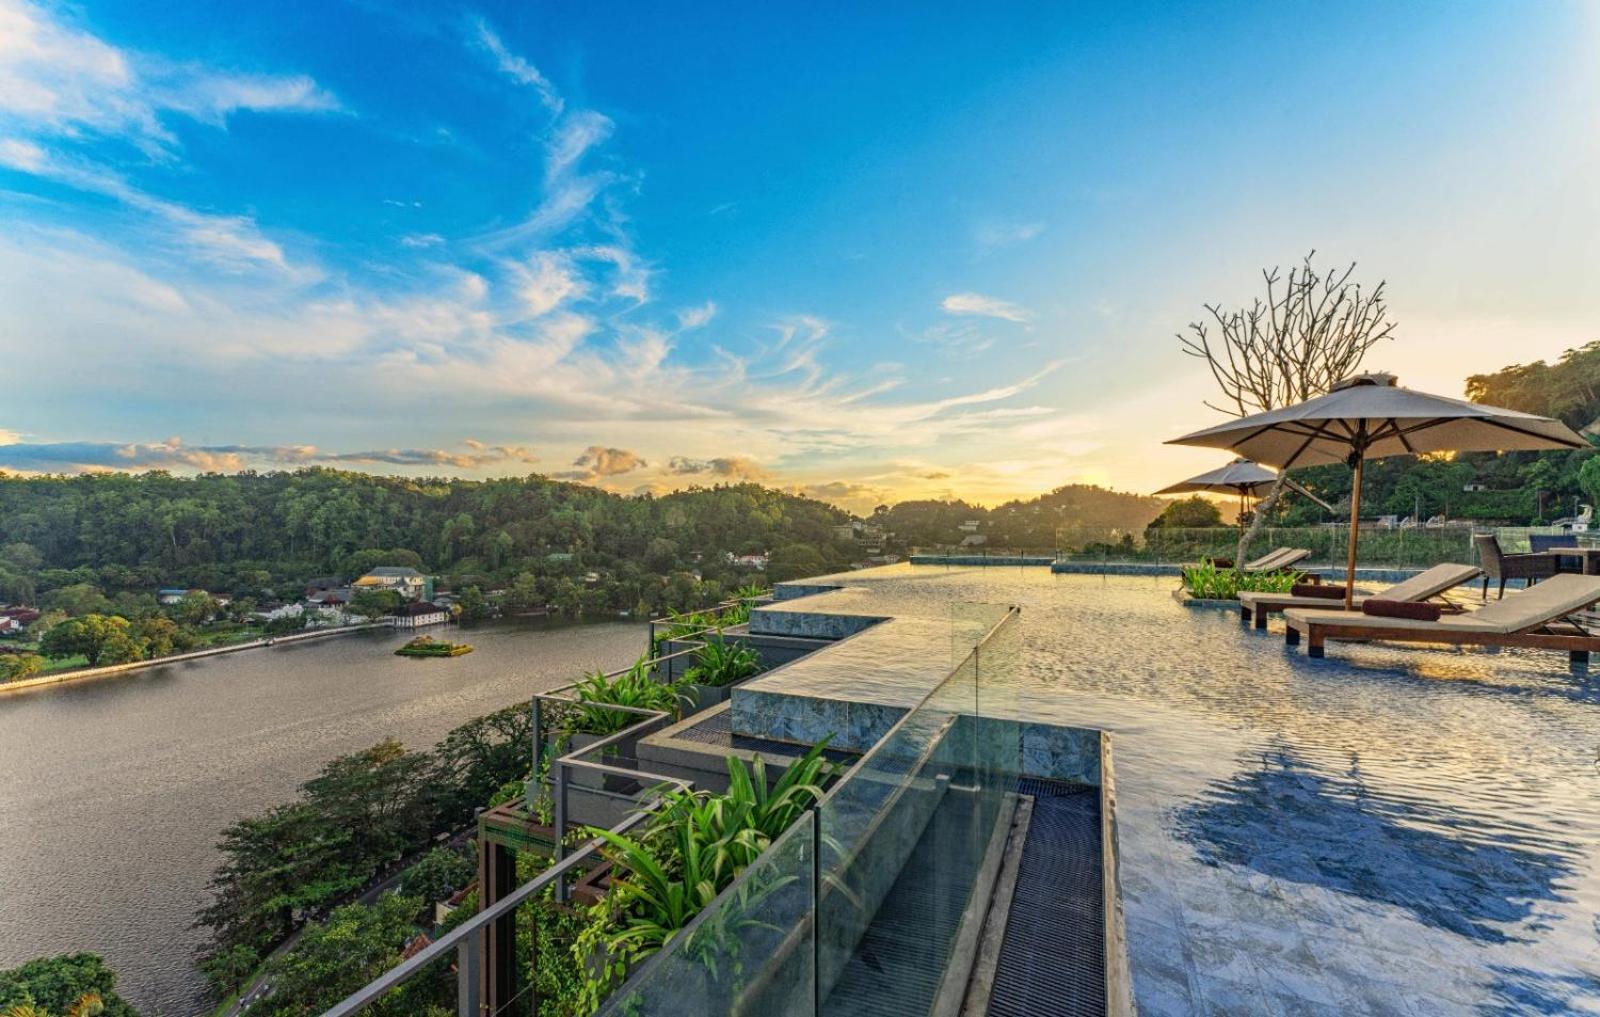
(918, 250)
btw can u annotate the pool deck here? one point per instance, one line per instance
(880, 667)
(1247, 888)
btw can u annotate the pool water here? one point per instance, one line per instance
(1387, 830)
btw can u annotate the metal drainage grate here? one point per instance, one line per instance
(1052, 963)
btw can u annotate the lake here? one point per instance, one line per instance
(113, 791)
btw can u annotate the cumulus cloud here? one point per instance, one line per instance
(987, 307)
(597, 462)
(173, 454)
(734, 468)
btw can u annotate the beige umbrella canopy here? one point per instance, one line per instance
(1369, 417)
(1241, 477)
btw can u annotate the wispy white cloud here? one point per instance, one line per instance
(420, 241)
(987, 307)
(516, 68)
(546, 281)
(60, 80)
(697, 317)
(994, 233)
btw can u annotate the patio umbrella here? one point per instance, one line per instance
(1241, 477)
(1369, 417)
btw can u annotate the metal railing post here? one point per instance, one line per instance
(531, 788)
(560, 775)
(468, 957)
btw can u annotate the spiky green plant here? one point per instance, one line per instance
(699, 843)
(722, 663)
(636, 687)
(1208, 582)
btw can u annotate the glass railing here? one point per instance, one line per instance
(870, 903)
(1399, 547)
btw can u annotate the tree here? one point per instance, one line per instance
(196, 608)
(355, 945)
(100, 639)
(79, 599)
(58, 985)
(228, 970)
(474, 606)
(376, 603)
(1296, 343)
(17, 666)
(437, 874)
(1191, 512)
(795, 561)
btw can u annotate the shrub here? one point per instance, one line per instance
(636, 687)
(722, 663)
(437, 875)
(1209, 582)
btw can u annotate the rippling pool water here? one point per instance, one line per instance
(1384, 831)
(113, 791)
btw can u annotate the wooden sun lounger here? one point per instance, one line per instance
(1540, 617)
(1272, 561)
(1422, 586)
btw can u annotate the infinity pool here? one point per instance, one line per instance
(1384, 831)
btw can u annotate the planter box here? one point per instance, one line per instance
(703, 697)
(582, 776)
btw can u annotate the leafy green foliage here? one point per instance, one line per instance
(1208, 582)
(358, 815)
(98, 638)
(636, 687)
(1191, 511)
(437, 874)
(699, 843)
(58, 986)
(722, 663)
(17, 666)
(376, 603)
(356, 944)
(259, 534)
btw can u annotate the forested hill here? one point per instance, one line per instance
(243, 532)
(1021, 524)
(1568, 389)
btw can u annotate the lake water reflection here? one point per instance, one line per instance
(113, 791)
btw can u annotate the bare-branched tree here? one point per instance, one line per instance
(1310, 332)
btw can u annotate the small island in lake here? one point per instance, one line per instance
(427, 646)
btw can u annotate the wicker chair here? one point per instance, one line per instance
(1543, 543)
(1499, 565)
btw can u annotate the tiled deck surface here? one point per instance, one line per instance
(1390, 831)
(881, 667)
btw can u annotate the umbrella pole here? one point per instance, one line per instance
(1355, 530)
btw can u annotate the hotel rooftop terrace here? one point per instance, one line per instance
(1071, 794)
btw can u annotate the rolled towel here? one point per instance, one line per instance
(1317, 590)
(1380, 608)
(1222, 563)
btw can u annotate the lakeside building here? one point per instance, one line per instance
(407, 582)
(420, 613)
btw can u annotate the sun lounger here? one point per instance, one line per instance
(1422, 586)
(1276, 560)
(1540, 616)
